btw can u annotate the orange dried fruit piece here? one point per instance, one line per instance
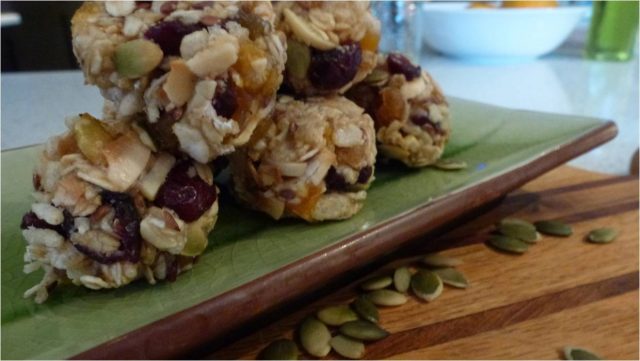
(305, 208)
(91, 138)
(253, 66)
(392, 106)
(370, 41)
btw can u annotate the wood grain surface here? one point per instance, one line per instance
(563, 291)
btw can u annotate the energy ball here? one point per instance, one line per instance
(411, 114)
(108, 210)
(331, 45)
(203, 73)
(312, 160)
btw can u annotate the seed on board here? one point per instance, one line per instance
(347, 347)
(517, 221)
(282, 349)
(508, 244)
(602, 235)
(450, 164)
(554, 228)
(519, 231)
(402, 279)
(387, 298)
(336, 315)
(426, 285)
(438, 260)
(376, 283)
(452, 277)
(576, 353)
(315, 337)
(366, 309)
(363, 330)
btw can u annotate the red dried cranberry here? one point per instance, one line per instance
(287, 194)
(224, 101)
(399, 64)
(188, 196)
(168, 35)
(365, 174)
(335, 181)
(30, 219)
(168, 7)
(422, 119)
(334, 68)
(126, 225)
(143, 4)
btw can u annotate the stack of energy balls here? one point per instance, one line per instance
(295, 95)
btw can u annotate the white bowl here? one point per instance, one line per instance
(496, 34)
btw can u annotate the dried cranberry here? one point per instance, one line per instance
(365, 174)
(334, 68)
(225, 101)
(143, 4)
(399, 64)
(168, 35)
(126, 225)
(30, 219)
(168, 7)
(188, 196)
(335, 181)
(422, 119)
(287, 194)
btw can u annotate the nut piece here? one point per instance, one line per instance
(164, 229)
(216, 59)
(136, 58)
(120, 8)
(180, 83)
(151, 182)
(306, 33)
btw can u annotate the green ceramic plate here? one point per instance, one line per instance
(495, 143)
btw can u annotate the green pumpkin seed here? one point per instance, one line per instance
(450, 164)
(363, 330)
(377, 77)
(376, 283)
(576, 353)
(554, 228)
(282, 349)
(452, 277)
(508, 244)
(298, 59)
(347, 347)
(336, 315)
(518, 221)
(387, 298)
(315, 337)
(366, 309)
(438, 260)
(426, 285)
(402, 279)
(519, 231)
(602, 235)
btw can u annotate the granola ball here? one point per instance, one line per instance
(108, 210)
(411, 114)
(312, 160)
(331, 45)
(203, 73)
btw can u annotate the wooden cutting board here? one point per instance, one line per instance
(563, 291)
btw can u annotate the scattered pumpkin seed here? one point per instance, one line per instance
(366, 309)
(508, 244)
(402, 279)
(376, 283)
(336, 315)
(315, 337)
(426, 285)
(519, 231)
(450, 164)
(554, 228)
(363, 330)
(347, 347)
(438, 260)
(387, 298)
(282, 349)
(517, 221)
(602, 235)
(576, 353)
(452, 277)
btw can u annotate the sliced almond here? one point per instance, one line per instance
(152, 181)
(306, 33)
(180, 83)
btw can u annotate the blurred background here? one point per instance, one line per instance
(570, 57)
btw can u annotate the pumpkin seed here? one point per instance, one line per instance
(576, 353)
(554, 228)
(315, 337)
(336, 315)
(426, 285)
(517, 221)
(347, 347)
(519, 231)
(450, 164)
(366, 309)
(452, 277)
(402, 279)
(438, 260)
(376, 283)
(282, 349)
(508, 244)
(387, 298)
(602, 235)
(378, 77)
(363, 330)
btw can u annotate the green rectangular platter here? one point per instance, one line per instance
(246, 245)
